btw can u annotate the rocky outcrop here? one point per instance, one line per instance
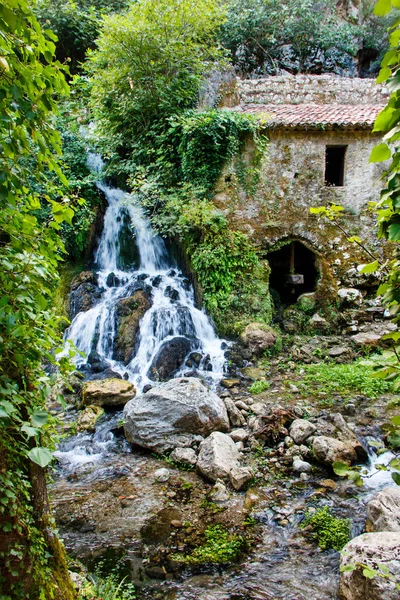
(218, 456)
(170, 357)
(88, 418)
(383, 511)
(258, 337)
(108, 392)
(328, 450)
(84, 293)
(130, 311)
(371, 550)
(174, 414)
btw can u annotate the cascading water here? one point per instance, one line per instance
(173, 313)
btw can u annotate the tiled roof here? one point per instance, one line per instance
(310, 116)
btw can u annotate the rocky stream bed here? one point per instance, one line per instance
(257, 479)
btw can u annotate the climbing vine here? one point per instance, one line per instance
(33, 559)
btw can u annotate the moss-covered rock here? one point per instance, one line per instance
(129, 311)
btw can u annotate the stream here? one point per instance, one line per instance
(104, 490)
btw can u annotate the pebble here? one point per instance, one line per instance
(161, 475)
(304, 476)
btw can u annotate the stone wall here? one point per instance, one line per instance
(292, 179)
(306, 89)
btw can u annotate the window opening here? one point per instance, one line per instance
(334, 165)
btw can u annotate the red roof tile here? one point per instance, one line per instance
(309, 116)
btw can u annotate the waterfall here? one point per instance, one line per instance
(173, 313)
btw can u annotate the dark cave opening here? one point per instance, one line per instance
(293, 271)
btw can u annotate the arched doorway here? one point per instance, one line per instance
(293, 271)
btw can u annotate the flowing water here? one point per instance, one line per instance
(173, 312)
(283, 566)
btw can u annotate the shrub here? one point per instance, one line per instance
(328, 531)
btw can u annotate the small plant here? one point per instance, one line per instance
(259, 386)
(220, 547)
(211, 506)
(327, 530)
(107, 588)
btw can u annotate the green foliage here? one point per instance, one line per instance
(149, 66)
(297, 35)
(345, 379)
(220, 547)
(29, 254)
(76, 25)
(328, 531)
(109, 587)
(259, 386)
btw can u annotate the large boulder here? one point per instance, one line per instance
(130, 311)
(173, 414)
(108, 392)
(383, 511)
(328, 450)
(218, 456)
(371, 550)
(170, 357)
(258, 337)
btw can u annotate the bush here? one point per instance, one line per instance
(328, 531)
(259, 386)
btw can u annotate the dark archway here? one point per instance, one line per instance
(293, 271)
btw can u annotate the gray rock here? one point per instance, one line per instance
(161, 475)
(350, 297)
(301, 466)
(383, 511)
(328, 450)
(186, 456)
(319, 323)
(173, 414)
(235, 416)
(240, 476)
(239, 435)
(300, 430)
(257, 337)
(170, 357)
(370, 549)
(219, 493)
(218, 456)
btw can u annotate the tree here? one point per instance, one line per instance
(76, 25)
(32, 560)
(297, 35)
(149, 65)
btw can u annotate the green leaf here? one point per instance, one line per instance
(380, 153)
(40, 456)
(395, 420)
(368, 268)
(30, 431)
(382, 7)
(340, 468)
(39, 418)
(369, 573)
(348, 568)
(395, 463)
(384, 74)
(394, 232)
(396, 477)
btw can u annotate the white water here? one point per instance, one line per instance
(95, 329)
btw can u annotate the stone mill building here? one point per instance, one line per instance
(320, 136)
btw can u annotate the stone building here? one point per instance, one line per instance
(320, 138)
